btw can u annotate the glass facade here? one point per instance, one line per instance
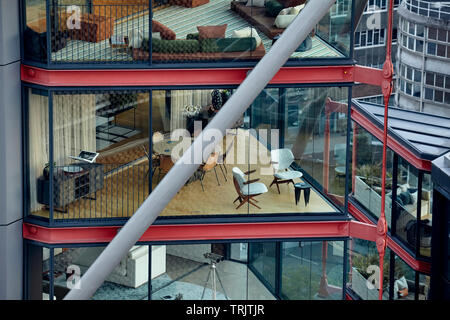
(109, 32)
(408, 210)
(106, 150)
(196, 271)
(367, 154)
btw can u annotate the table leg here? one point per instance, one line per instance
(306, 194)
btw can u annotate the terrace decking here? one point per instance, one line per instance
(182, 21)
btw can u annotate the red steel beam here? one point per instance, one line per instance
(178, 77)
(234, 231)
(368, 75)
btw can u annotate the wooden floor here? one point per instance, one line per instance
(126, 188)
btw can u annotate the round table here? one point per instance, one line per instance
(166, 146)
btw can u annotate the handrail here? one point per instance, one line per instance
(438, 10)
(249, 89)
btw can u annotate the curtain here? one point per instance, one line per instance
(73, 126)
(181, 98)
(38, 142)
(73, 130)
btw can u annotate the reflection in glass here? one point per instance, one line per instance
(363, 267)
(366, 178)
(312, 270)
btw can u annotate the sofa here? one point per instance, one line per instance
(167, 48)
(132, 270)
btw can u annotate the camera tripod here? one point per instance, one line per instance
(215, 273)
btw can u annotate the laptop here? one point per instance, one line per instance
(86, 156)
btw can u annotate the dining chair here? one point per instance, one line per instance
(165, 164)
(209, 165)
(247, 189)
(222, 158)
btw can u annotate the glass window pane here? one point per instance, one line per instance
(406, 202)
(431, 49)
(419, 45)
(417, 76)
(439, 82)
(363, 269)
(429, 78)
(304, 265)
(432, 33)
(438, 96)
(429, 94)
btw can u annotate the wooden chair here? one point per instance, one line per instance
(165, 164)
(222, 158)
(209, 165)
(247, 189)
(281, 160)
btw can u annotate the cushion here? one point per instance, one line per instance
(156, 35)
(166, 33)
(236, 44)
(254, 188)
(287, 175)
(256, 3)
(247, 32)
(297, 9)
(211, 32)
(175, 46)
(135, 38)
(273, 8)
(285, 11)
(405, 197)
(192, 36)
(413, 197)
(401, 287)
(284, 21)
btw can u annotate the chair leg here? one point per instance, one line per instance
(223, 173)
(201, 181)
(251, 202)
(217, 178)
(238, 198)
(243, 201)
(225, 167)
(159, 175)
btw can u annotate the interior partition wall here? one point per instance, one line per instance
(137, 134)
(267, 269)
(143, 33)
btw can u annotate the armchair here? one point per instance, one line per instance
(247, 189)
(281, 160)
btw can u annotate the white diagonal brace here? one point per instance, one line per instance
(175, 179)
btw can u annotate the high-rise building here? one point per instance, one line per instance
(100, 99)
(423, 57)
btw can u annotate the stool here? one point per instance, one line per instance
(306, 187)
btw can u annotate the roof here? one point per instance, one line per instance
(425, 135)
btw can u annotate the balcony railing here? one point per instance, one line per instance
(144, 32)
(433, 9)
(93, 191)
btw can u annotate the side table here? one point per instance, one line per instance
(306, 187)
